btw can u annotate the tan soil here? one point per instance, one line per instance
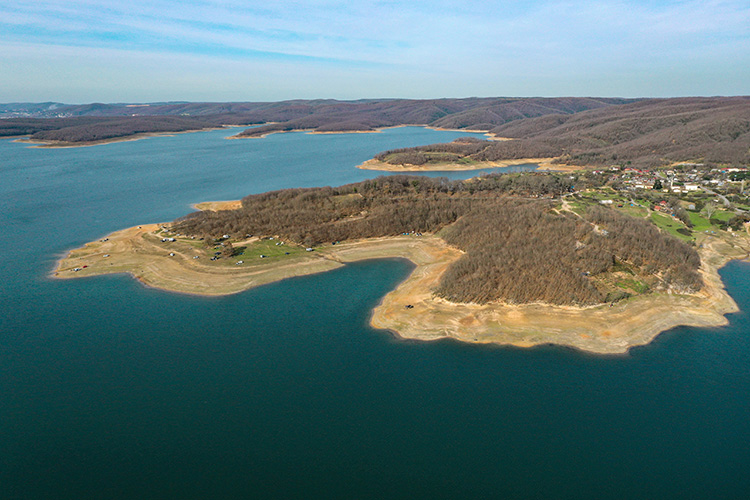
(218, 205)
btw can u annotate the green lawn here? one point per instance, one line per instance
(250, 254)
(670, 225)
(722, 215)
(700, 223)
(269, 249)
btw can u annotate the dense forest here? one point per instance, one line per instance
(87, 128)
(466, 150)
(519, 247)
(473, 113)
(646, 133)
(579, 131)
(583, 131)
(80, 123)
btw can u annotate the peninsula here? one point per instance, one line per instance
(521, 259)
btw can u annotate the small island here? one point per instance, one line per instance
(521, 259)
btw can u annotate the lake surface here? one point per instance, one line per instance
(110, 390)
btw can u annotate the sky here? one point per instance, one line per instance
(80, 51)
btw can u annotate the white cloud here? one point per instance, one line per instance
(448, 47)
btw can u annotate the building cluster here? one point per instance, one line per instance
(682, 178)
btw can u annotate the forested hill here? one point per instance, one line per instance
(646, 133)
(471, 114)
(92, 122)
(520, 246)
(588, 131)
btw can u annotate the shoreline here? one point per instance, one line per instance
(54, 144)
(50, 144)
(596, 329)
(601, 329)
(544, 164)
(312, 131)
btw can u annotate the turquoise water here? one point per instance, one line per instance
(111, 390)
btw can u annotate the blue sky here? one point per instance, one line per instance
(203, 50)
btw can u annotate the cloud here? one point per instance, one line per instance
(458, 48)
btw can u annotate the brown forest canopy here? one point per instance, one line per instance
(585, 131)
(645, 133)
(519, 248)
(324, 115)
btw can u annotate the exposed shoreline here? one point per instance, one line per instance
(138, 251)
(50, 144)
(377, 130)
(218, 205)
(53, 144)
(544, 164)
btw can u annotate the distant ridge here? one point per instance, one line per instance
(646, 133)
(106, 121)
(576, 130)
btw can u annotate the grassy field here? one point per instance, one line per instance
(670, 225)
(700, 223)
(722, 215)
(251, 253)
(634, 211)
(579, 205)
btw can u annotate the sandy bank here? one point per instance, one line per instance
(312, 131)
(141, 252)
(544, 164)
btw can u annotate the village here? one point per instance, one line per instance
(680, 178)
(682, 199)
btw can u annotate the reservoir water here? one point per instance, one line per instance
(110, 390)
